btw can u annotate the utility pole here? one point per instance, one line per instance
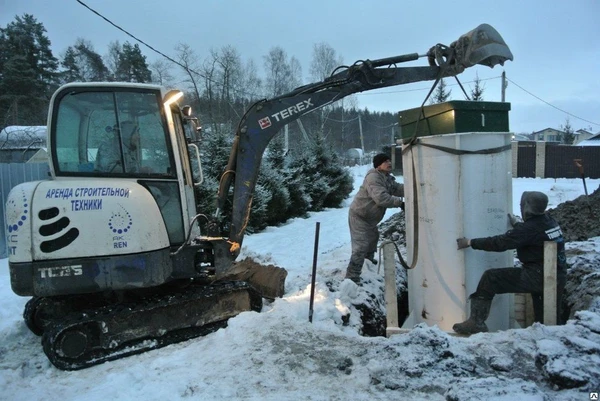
(342, 139)
(362, 142)
(393, 147)
(504, 85)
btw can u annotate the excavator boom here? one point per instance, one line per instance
(483, 45)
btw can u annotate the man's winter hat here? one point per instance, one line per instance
(533, 203)
(378, 159)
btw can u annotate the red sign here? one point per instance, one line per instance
(264, 122)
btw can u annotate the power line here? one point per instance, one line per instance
(158, 51)
(341, 121)
(549, 104)
(363, 94)
(137, 39)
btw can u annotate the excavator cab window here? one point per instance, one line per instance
(110, 133)
(118, 133)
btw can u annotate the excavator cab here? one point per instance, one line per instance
(120, 200)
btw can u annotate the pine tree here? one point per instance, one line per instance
(28, 72)
(82, 64)
(132, 65)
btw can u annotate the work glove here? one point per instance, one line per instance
(514, 219)
(462, 243)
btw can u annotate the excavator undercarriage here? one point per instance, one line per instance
(78, 332)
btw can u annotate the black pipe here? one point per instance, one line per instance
(314, 273)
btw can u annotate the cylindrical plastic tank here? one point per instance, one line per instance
(458, 195)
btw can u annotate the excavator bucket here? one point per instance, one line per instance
(483, 45)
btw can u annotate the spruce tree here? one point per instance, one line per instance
(478, 89)
(569, 133)
(441, 93)
(327, 182)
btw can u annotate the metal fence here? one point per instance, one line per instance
(560, 161)
(12, 174)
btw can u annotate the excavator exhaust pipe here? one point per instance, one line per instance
(483, 45)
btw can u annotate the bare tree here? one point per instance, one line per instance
(324, 62)
(189, 61)
(251, 84)
(162, 73)
(112, 57)
(229, 73)
(281, 75)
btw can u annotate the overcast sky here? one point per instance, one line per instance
(555, 43)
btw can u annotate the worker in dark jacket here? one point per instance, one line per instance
(378, 192)
(528, 238)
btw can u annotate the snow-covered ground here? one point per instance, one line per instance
(278, 355)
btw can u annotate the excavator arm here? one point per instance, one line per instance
(264, 119)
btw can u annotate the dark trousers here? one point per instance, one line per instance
(520, 280)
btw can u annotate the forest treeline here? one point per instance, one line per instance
(303, 174)
(219, 86)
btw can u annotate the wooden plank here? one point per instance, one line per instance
(550, 283)
(391, 297)
(529, 315)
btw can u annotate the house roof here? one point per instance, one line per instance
(548, 129)
(593, 141)
(23, 137)
(520, 137)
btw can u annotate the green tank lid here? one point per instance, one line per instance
(453, 117)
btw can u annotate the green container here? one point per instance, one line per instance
(455, 116)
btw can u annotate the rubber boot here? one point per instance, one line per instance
(480, 309)
(371, 258)
(353, 272)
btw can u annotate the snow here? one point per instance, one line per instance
(17, 136)
(278, 355)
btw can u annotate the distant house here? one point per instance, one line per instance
(548, 135)
(18, 144)
(520, 137)
(581, 135)
(593, 141)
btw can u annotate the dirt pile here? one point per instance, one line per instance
(579, 219)
(583, 283)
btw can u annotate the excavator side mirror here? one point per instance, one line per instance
(483, 45)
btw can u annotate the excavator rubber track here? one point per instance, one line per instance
(98, 335)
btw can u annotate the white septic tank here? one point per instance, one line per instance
(463, 189)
